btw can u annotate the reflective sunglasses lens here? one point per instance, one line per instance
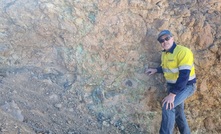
(167, 38)
(161, 40)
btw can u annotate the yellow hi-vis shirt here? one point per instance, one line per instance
(180, 59)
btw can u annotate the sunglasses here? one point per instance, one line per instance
(165, 39)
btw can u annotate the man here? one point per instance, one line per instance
(178, 69)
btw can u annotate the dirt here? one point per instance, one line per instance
(32, 105)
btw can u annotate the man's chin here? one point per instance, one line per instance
(166, 49)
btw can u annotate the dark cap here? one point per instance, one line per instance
(164, 32)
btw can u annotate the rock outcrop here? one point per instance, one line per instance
(77, 66)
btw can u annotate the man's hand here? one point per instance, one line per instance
(169, 100)
(150, 71)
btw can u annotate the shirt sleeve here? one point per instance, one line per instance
(159, 69)
(181, 81)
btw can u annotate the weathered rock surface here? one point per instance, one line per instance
(77, 66)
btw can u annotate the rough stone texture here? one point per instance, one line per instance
(76, 66)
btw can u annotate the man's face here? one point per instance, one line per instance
(166, 42)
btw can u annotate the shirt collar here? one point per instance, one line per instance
(171, 49)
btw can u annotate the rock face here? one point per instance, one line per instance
(77, 66)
